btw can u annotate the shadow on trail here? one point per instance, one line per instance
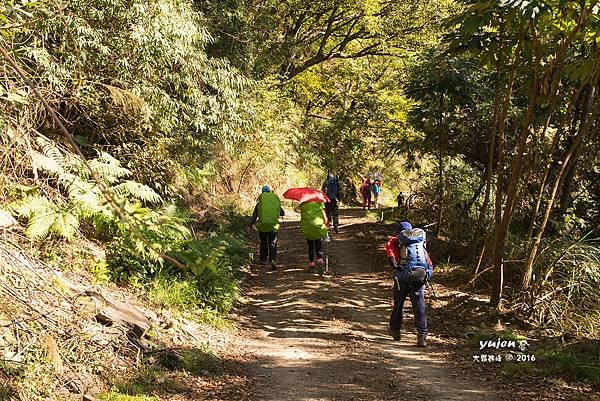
(325, 338)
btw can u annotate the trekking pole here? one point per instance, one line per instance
(430, 287)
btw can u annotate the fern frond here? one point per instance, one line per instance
(32, 205)
(137, 190)
(45, 163)
(39, 225)
(65, 224)
(51, 150)
(109, 168)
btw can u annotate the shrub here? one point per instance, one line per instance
(566, 289)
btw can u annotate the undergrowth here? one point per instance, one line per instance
(117, 396)
(165, 372)
(208, 287)
(149, 244)
(574, 362)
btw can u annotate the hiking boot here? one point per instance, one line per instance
(263, 262)
(422, 340)
(395, 334)
(311, 267)
(273, 265)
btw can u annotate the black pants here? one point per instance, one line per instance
(332, 211)
(268, 245)
(315, 246)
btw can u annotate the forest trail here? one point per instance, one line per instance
(325, 338)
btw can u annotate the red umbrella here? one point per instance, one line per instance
(305, 195)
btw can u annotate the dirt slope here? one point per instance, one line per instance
(310, 338)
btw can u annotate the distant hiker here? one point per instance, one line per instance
(365, 191)
(400, 200)
(332, 189)
(266, 216)
(314, 223)
(408, 255)
(376, 189)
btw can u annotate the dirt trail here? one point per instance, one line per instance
(325, 338)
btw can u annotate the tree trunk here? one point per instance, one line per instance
(498, 280)
(441, 151)
(490, 151)
(584, 128)
(566, 198)
(540, 192)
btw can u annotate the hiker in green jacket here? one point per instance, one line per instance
(266, 216)
(314, 223)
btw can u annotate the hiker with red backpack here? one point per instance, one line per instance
(266, 216)
(365, 191)
(413, 268)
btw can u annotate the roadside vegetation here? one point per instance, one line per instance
(135, 136)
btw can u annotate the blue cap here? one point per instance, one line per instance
(266, 188)
(403, 226)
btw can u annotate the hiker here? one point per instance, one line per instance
(266, 216)
(332, 189)
(365, 191)
(376, 189)
(314, 223)
(400, 200)
(408, 255)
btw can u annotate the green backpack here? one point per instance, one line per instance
(269, 207)
(312, 221)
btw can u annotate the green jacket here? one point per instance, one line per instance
(269, 210)
(312, 221)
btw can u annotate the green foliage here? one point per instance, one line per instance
(196, 361)
(151, 233)
(169, 291)
(6, 393)
(140, 384)
(82, 197)
(211, 284)
(134, 78)
(575, 361)
(117, 396)
(99, 270)
(47, 217)
(215, 261)
(450, 91)
(290, 39)
(566, 291)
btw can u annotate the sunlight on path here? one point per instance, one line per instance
(324, 338)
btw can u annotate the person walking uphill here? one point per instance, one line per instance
(408, 255)
(400, 200)
(332, 189)
(313, 224)
(365, 191)
(376, 189)
(266, 216)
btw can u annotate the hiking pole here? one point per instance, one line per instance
(430, 287)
